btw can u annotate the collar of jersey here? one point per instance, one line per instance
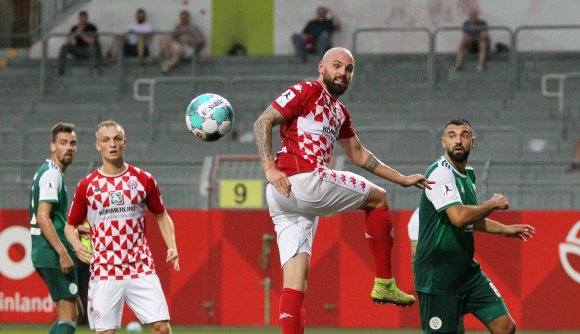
(453, 167)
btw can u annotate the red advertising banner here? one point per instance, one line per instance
(230, 271)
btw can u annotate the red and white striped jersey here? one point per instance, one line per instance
(114, 206)
(314, 121)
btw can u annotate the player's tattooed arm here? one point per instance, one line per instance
(371, 163)
(263, 132)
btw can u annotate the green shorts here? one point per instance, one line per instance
(60, 285)
(441, 313)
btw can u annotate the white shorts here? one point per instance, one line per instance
(322, 192)
(187, 50)
(143, 295)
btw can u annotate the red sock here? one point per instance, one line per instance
(292, 311)
(378, 233)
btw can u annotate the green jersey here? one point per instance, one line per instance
(444, 260)
(48, 186)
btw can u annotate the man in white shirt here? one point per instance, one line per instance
(135, 39)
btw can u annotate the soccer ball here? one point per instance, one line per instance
(209, 117)
(134, 327)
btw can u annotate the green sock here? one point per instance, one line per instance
(66, 327)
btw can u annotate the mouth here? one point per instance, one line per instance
(458, 149)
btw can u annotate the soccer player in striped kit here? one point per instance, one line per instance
(113, 199)
(302, 186)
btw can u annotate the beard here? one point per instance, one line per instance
(460, 156)
(333, 89)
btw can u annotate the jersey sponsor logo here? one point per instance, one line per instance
(571, 247)
(286, 97)
(435, 323)
(116, 198)
(448, 190)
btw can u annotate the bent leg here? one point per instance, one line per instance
(299, 47)
(323, 43)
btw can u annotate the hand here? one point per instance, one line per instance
(522, 231)
(84, 230)
(83, 253)
(279, 180)
(172, 256)
(500, 201)
(416, 180)
(66, 263)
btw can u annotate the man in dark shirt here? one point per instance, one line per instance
(316, 36)
(475, 37)
(82, 43)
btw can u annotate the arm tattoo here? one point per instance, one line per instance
(263, 133)
(371, 163)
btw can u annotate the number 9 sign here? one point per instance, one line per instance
(243, 194)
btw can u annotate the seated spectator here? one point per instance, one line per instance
(185, 42)
(135, 40)
(81, 43)
(316, 36)
(475, 39)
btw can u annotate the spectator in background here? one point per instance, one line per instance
(475, 40)
(81, 43)
(316, 36)
(186, 41)
(135, 39)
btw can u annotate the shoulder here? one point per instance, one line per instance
(142, 174)
(91, 27)
(52, 171)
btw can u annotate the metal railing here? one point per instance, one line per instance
(515, 42)
(440, 30)
(421, 30)
(563, 111)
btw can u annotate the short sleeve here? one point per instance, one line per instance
(289, 103)
(154, 201)
(49, 185)
(78, 209)
(346, 129)
(443, 194)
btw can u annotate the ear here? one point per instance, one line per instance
(473, 142)
(443, 142)
(320, 68)
(97, 146)
(52, 147)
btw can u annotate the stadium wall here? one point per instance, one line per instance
(223, 271)
(255, 19)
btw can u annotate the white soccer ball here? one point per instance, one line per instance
(134, 326)
(209, 117)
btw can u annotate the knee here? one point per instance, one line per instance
(297, 39)
(161, 327)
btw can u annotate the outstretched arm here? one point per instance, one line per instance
(363, 158)
(263, 136)
(168, 233)
(521, 231)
